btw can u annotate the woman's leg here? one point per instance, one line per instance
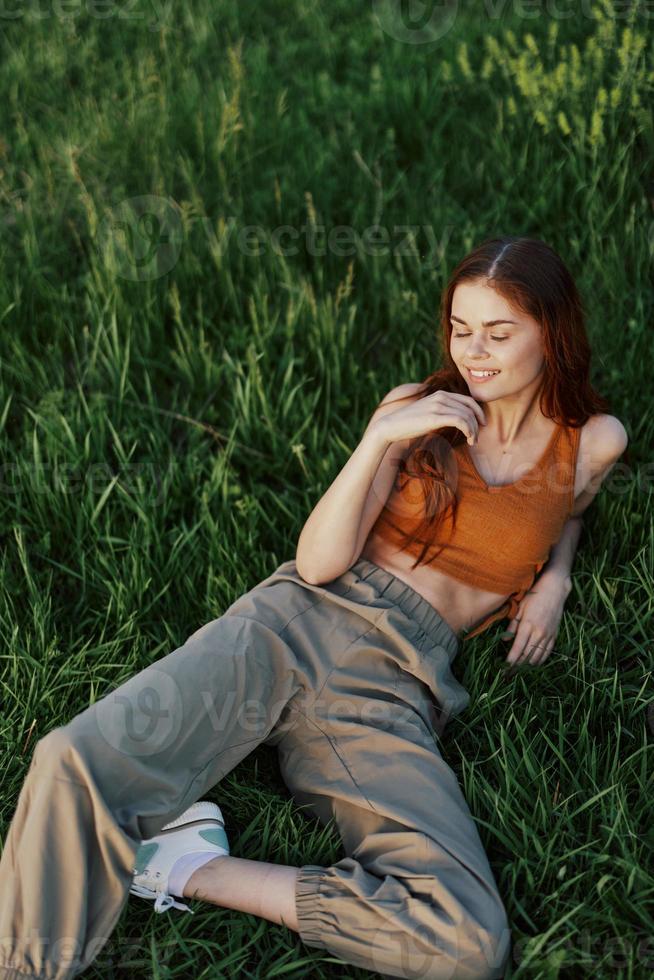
(415, 895)
(127, 765)
(257, 887)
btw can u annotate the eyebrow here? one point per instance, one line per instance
(484, 323)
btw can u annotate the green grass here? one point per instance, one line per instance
(167, 428)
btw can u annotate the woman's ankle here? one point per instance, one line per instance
(197, 882)
(256, 887)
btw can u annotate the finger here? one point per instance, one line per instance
(546, 652)
(529, 647)
(469, 425)
(537, 649)
(470, 421)
(520, 644)
(470, 402)
(460, 412)
(457, 418)
(510, 631)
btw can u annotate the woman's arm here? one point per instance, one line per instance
(533, 629)
(559, 564)
(606, 442)
(328, 541)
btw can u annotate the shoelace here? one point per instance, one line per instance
(162, 902)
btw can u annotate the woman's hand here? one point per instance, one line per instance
(439, 410)
(536, 623)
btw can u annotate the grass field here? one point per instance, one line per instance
(178, 389)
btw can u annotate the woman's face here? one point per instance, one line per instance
(511, 346)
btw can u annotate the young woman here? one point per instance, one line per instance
(461, 491)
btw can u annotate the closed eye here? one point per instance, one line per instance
(466, 335)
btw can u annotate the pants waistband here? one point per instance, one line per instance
(411, 602)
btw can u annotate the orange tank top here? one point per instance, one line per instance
(503, 535)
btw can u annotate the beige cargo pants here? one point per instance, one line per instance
(351, 681)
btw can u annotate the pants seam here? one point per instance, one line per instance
(301, 613)
(338, 662)
(212, 760)
(262, 621)
(332, 744)
(322, 598)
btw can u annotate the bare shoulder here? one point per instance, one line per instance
(604, 438)
(396, 396)
(402, 391)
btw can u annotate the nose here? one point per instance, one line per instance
(476, 351)
(475, 345)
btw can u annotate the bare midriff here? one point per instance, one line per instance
(462, 606)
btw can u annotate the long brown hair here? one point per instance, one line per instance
(534, 279)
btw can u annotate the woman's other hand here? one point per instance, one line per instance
(535, 626)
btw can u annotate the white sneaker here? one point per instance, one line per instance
(200, 828)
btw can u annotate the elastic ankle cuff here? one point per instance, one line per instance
(308, 884)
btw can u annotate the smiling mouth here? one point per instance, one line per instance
(481, 376)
